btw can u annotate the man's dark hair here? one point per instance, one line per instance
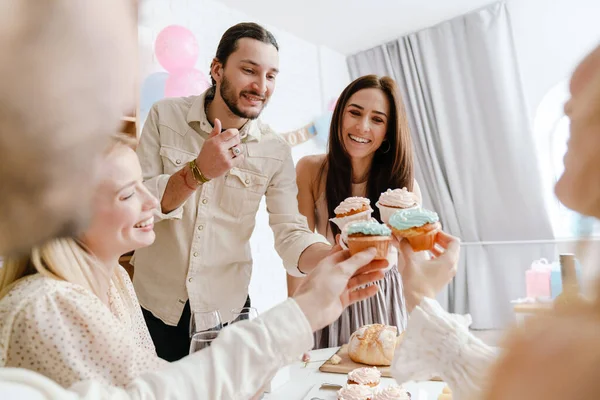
(229, 40)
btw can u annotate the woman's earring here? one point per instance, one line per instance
(389, 146)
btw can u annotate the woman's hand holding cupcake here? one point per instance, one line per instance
(413, 230)
(426, 278)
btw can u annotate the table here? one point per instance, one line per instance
(304, 378)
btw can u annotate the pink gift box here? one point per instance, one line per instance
(537, 283)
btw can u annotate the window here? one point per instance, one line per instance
(551, 131)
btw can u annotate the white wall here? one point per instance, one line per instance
(310, 76)
(268, 285)
(550, 38)
(334, 78)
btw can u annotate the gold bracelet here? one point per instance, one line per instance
(197, 174)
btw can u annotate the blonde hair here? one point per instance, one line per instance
(64, 259)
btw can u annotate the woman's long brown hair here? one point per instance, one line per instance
(391, 168)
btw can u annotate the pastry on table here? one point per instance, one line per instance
(391, 201)
(355, 392)
(364, 234)
(418, 225)
(352, 209)
(373, 344)
(393, 392)
(369, 376)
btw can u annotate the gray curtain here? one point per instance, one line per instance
(475, 155)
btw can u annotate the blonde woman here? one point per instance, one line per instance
(69, 312)
(554, 357)
(67, 309)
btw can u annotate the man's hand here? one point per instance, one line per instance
(218, 154)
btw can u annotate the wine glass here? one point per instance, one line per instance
(242, 314)
(201, 321)
(202, 340)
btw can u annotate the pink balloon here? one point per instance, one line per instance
(186, 83)
(332, 103)
(176, 48)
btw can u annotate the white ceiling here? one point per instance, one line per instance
(349, 26)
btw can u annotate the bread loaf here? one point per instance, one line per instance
(373, 344)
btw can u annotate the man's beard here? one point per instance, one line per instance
(231, 100)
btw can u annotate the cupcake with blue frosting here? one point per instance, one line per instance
(417, 225)
(364, 234)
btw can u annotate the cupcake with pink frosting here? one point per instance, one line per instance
(391, 201)
(369, 376)
(394, 392)
(352, 209)
(355, 392)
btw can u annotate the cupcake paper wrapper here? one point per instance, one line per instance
(381, 243)
(386, 212)
(420, 238)
(343, 221)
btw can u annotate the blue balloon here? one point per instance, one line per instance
(322, 124)
(153, 89)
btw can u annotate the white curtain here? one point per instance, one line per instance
(476, 161)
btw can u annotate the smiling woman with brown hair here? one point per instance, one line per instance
(370, 151)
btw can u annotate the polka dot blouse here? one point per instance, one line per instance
(68, 334)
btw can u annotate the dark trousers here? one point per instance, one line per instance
(172, 343)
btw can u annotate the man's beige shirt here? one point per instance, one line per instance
(202, 250)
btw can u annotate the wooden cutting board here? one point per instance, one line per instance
(347, 365)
